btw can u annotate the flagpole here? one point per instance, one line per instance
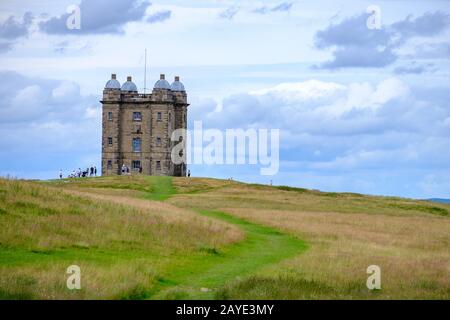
(145, 71)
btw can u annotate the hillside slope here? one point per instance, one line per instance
(159, 237)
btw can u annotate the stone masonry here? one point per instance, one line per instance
(137, 127)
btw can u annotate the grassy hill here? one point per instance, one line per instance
(137, 237)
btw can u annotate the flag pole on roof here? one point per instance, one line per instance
(145, 70)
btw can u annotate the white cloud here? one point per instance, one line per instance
(334, 127)
(66, 91)
(307, 90)
(45, 124)
(389, 89)
(329, 99)
(26, 104)
(94, 113)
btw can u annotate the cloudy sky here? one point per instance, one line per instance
(359, 109)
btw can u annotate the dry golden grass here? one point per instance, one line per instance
(122, 280)
(412, 252)
(58, 218)
(408, 239)
(126, 242)
(217, 232)
(119, 242)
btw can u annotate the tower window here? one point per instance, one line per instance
(137, 116)
(109, 165)
(110, 141)
(158, 141)
(136, 144)
(159, 116)
(110, 116)
(136, 165)
(158, 165)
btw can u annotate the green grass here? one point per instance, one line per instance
(45, 230)
(158, 188)
(425, 207)
(283, 287)
(262, 247)
(191, 246)
(161, 188)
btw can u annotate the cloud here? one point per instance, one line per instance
(229, 13)
(46, 124)
(99, 16)
(63, 47)
(282, 7)
(159, 16)
(13, 29)
(354, 56)
(285, 6)
(5, 46)
(427, 25)
(335, 127)
(415, 68)
(27, 100)
(439, 50)
(355, 45)
(374, 137)
(316, 101)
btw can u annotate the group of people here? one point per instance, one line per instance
(89, 172)
(92, 172)
(126, 170)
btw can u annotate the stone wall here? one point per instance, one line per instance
(161, 112)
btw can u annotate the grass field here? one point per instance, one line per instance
(137, 237)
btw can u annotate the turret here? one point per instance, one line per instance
(129, 86)
(178, 91)
(112, 89)
(161, 90)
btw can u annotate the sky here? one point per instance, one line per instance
(361, 96)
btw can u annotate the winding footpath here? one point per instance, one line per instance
(263, 246)
(199, 276)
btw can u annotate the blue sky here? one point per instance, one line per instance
(359, 109)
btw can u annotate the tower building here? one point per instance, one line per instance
(137, 127)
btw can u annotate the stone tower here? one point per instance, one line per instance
(137, 127)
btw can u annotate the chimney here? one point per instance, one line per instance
(129, 78)
(177, 78)
(162, 76)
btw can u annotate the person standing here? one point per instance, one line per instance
(189, 173)
(60, 173)
(95, 170)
